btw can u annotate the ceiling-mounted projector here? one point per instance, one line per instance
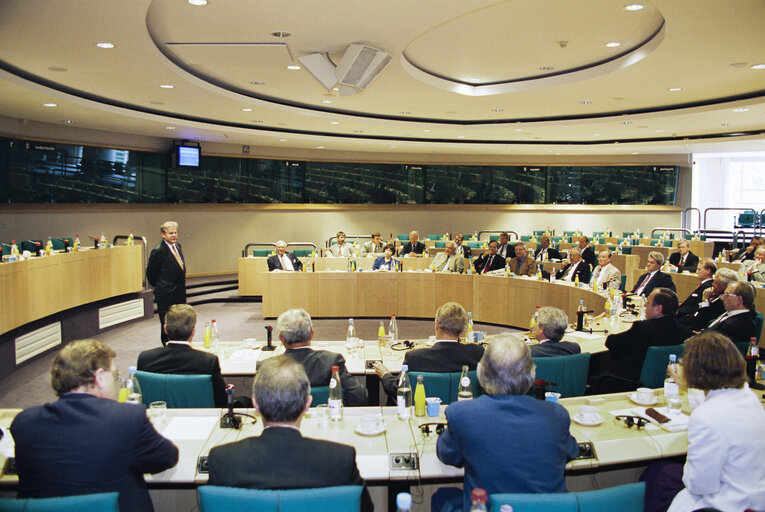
(359, 66)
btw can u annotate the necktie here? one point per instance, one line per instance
(682, 262)
(719, 319)
(286, 263)
(488, 264)
(570, 272)
(177, 256)
(639, 291)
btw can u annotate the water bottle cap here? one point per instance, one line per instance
(404, 501)
(132, 369)
(478, 495)
(404, 367)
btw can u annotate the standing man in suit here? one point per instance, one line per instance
(341, 249)
(505, 424)
(86, 442)
(549, 329)
(737, 323)
(281, 458)
(711, 305)
(606, 275)
(446, 355)
(522, 264)
(462, 250)
(706, 272)
(284, 260)
(374, 246)
(685, 259)
(577, 268)
(296, 332)
(588, 252)
(413, 248)
(449, 261)
(504, 248)
(654, 278)
(489, 260)
(166, 272)
(627, 349)
(546, 250)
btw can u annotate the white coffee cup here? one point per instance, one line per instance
(371, 422)
(644, 395)
(588, 413)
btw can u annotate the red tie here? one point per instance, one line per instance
(488, 264)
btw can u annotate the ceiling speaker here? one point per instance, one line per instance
(360, 65)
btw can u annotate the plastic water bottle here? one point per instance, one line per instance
(465, 390)
(404, 394)
(335, 400)
(470, 334)
(49, 247)
(131, 238)
(14, 251)
(76, 243)
(403, 502)
(133, 387)
(350, 338)
(671, 388)
(214, 337)
(393, 330)
(478, 497)
(102, 241)
(419, 397)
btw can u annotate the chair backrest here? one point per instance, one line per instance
(179, 391)
(655, 364)
(623, 284)
(444, 385)
(627, 250)
(569, 372)
(31, 246)
(475, 245)
(345, 498)
(552, 502)
(320, 395)
(758, 324)
(262, 253)
(302, 253)
(101, 502)
(525, 238)
(624, 498)
(404, 237)
(60, 245)
(440, 244)
(746, 219)
(435, 237)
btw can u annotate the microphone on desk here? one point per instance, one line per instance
(66, 242)
(269, 347)
(230, 398)
(230, 420)
(580, 319)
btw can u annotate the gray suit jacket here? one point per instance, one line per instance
(345, 251)
(454, 265)
(611, 277)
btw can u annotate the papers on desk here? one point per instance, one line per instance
(677, 423)
(244, 355)
(581, 335)
(6, 444)
(183, 428)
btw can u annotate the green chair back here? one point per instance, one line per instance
(538, 232)
(320, 395)
(345, 498)
(688, 236)
(179, 391)
(569, 233)
(758, 324)
(440, 245)
(570, 373)
(493, 237)
(626, 249)
(655, 364)
(667, 243)
(525, 238)
(625, 234)
(624, 282)
(598, 233)
(31, 246)
(553, 502)
(624, 498)
(101, 502)
(59, 245)
(436, 237)
(742, 346)
(262, 253)
(557, 239)
(475, 245)
(444, 385)
(303, 253)
(404, 237)
(746, 220)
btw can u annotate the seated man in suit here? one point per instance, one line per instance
(296, 332)
(374, 246)
(706, 272)
(504, 248)
(654, 278)
(284, 260)
(86, 442)
(757, 267)
(522, 264)
(449, 261)
(489, 260)
(577, 268)
(737, 323)
(685, 259)
(588, 252)
(545, 251)
(341, 249)
(413, 248)
(627, 349)
(462, 250)
(177, 357)
(747, 253)
(606, 275)
(549, 329)
(446, 355)
(507, 441)
(711, 305)
(281, 458)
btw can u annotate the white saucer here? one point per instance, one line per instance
(370, 433)
(634, 398)
(578, 418)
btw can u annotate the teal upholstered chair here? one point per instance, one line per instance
(60, 245)
(758, 324)
(302, 253)
(444, 385)
(624, 282)
(569, 372)
(33, 246)
(262, 253)
(493, 237)
(436, 237)
(440, 245)
(626, 249)
(553, 502)
(598, 233)
(320, 395)
(475, 245)
(179, 391)
(404, 237)
(101, 502)
(624, 498)
(745, 220)
(655, 364)
(346, 498)
(525, 238)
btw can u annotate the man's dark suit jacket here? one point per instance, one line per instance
(582, 270)
(166, 276)
(496, 263)
(419, 248)
(444, 356)
(318, 366)
(739, 328)
(552, 254)
(588, 255)
(703, 316)
(691, 261)
(555, 348)
(275, 263)
(660, 280)
(464, 250)
(506, 251)
(181, 359)
(627, 349)
(82, 444)
(281, 458)
(689, 305)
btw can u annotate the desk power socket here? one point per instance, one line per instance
(202, 466)
(371, 363)
(404, 461)
(586, 451)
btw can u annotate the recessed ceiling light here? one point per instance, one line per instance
(105, 45)
(473, 80)
(358, 131)
(659, 130)
(497, 110)
(460, 136)
(335, 89)
(257, 120)
(157, 102)
(634, 152)
(166, 86)
(519, 129)
(741, 109)
(392, 147)
(256, 82)
(546, 68)
(197, 2)
(319, 147)
(68, 121)
(758, 66)
(633, 7)
(59, 69)
(334, 122)
(169, 127)
(293, 67)
(585, 102)
(426, 130)
(675, 89)
(724, 124)
(538, 137)
(626, 122)
(246, 110)
(613, 44)
(280, 33)
(282, 140)
(326, 101)
(50, 104)
(596, 135)
(405, 113)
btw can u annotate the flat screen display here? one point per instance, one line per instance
(187, 156)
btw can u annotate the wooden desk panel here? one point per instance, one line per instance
(287, 290)
(416, 294)
(491, 299)
(454, 288)
(523, 298)
(335, 294)
(377, 294)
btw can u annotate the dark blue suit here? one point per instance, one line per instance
(168, 279)
(508, 443)
(83, 444)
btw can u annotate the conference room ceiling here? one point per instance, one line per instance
(520, 77)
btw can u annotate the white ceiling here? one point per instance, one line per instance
(558, 89)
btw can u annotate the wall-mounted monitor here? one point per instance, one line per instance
(186, 154)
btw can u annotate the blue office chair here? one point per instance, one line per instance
(569, 372)
(552, 502)
(343, 498)
(624, 498)
(101, 502)
(179, 391)
(445, 385)
(654, 369)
